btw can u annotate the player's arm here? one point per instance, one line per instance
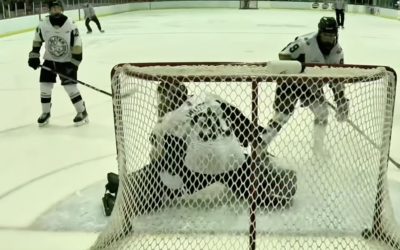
(34, 55)
(338, 88)
(293, 51)
(76, 47)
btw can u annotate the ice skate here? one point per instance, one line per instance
(81, 118)
(43, 119)
(102, 31)
(89, 32)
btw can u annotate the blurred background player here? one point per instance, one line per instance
(321, 47)
(340, 6)
(90, 15)
(63, 54)
(200, 140)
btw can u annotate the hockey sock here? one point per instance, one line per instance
(319, 135)
(76, 97)
(46, 89)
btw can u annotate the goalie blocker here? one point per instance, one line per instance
(198, 141)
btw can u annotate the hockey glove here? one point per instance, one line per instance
(34, 60)
(342, 112)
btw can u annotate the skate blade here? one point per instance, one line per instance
(85, 121)
(43, 124)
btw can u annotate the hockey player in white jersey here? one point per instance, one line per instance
(200, 140)
(63, 54)
(321, 47)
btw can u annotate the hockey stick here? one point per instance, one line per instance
(76, 81)
(365, 136)
(129, 93)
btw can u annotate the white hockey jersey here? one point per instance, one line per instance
(211, 148)
(307, 45)
(58, 40)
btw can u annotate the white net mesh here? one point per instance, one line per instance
(193, 177)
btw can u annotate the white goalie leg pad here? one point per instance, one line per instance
(171, 181)
(284, 67)
(46, 88)
(73, 92)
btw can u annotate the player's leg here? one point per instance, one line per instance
(89, 29)
(96, 20)
(337, 12)
(47, 80)
(342, 18)
(284, 104)
(73, 92)
(276, 186)
(151, 190)
(165, 178)
(172, 167)
(147, 194)
(81, 116)
(321, 112)
(312, 96)
(153, 186)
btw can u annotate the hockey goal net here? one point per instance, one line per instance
(338, 200)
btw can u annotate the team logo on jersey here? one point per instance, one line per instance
(57, 46)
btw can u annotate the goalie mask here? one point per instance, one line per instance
(327, 34)
(170, 95)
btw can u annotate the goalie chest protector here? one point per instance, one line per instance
(211, 147)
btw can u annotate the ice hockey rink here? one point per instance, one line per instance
(53, 177)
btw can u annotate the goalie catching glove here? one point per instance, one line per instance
(34, 60)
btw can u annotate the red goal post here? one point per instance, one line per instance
(341, 202)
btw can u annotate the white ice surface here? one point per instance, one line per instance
(58, 172)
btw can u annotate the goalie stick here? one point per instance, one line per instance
(351, 123)
(87, 85)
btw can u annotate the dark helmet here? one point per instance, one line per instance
(327, 34)
(53, 3)
(171, 94)
(327, 24)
